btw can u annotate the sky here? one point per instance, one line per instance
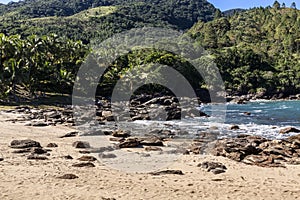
(229, 4)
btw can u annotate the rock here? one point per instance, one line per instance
(129, 143)
(22, 144)
(88, 164)
(295, 138)
(39, 124)
(70, 134)
(87, 158)
(107, 156)
(166, 172)
(27, 150)
(36, 157)
(151, 148)
(81, 145)
(68, 157)
(38, 150)
(52, 145)
(68, 176)
(121, 133)
(247, 113)
(214, 167)
(289, 130)
(1, 159)
(152, 142)
(234, 127)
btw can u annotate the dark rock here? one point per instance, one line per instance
(39, 124)
(81, 145)
(247, 113)
(129, 143)
(52, 145)
(1, 159)
(214, 167)
(27, 150)
(234, 127)
(38, 150)
(166, 172)
(68, 176)
(121, 133)
(107, 156)
(289, 130)
(84, 152)
(70, 134)
(36, 157)
(68, 157)
(152, 142)
(87, 158)
(21, 144)
(88, 164)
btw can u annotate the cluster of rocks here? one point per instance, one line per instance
(244, 98)
(147, 107)
(214, 167)
(31, 148)
(255, 150)
(44, 117)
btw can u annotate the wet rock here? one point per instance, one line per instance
(81, 145)
(289, 130)
(121, 133)
(234, 127)
(107, 156)
(166, 172)
(36, 157)
(21, 144)
(68, 176)
(247, 113)
(87, 158)
(214, 167)
(70, 134)
(87, 164)
(129, 143)
(52, 145)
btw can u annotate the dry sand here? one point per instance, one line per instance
(31, 179)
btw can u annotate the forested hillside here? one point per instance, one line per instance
(257, 51)
(43, 43)
(85, 20)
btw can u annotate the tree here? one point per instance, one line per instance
(294, 5)
(283, 5)
(276, 5)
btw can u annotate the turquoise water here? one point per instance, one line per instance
(277, 113)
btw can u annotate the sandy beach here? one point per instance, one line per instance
(38, 179)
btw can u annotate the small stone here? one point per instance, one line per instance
(38, 150)
(129, 143)
(1, 159)
(121, 133)
(22, 144)
(36, 157)
(88, 164)
(153, 149)
(68, 176)
(87, 158)
(39, 124)
(68, 157)
(166, 172)
(217, 171)
(234, 127)
(52, 145)
(107, 156)
(152, 142)
(289, 130)
(81, 145)
(70, 134)
(247, 113)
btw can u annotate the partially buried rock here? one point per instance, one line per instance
(52, 145)
(214, 167)
(22, 144)
(81, 145)
(88, 164)
(152, 142)
(166, 172)
(68, 176)
(87, 158)
(36, 157)
(1, 159)
(151, 148)
(129, 143)
(121, 133)
(289, 130)
(107, 156)
(70, 134)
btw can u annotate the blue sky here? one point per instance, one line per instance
(229, 4)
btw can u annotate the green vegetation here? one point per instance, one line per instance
(43, 43)
(256, 50)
